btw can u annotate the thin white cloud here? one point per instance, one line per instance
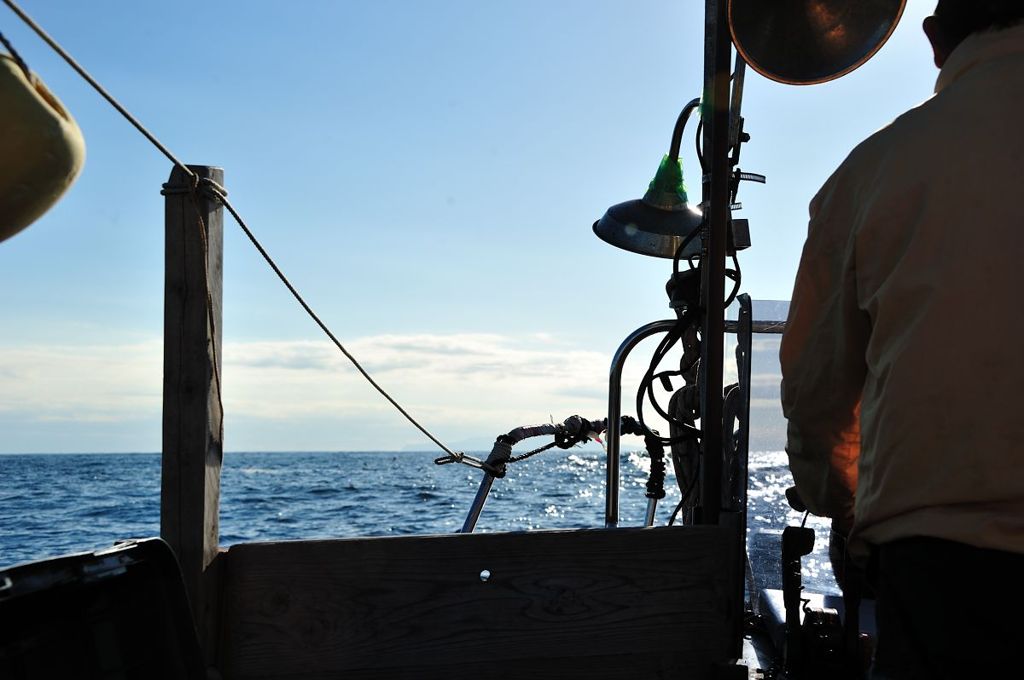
(305, 395)
(459, 383)
(462, 383)
(89, 383)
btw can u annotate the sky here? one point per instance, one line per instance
(425, 171)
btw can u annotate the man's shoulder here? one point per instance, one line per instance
(898, 147)
(916, 127)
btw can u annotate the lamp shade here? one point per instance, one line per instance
(640, 228)
(657, 224)
(803, 42)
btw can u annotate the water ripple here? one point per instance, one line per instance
(52, 504)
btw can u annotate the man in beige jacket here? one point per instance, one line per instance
(903, 357)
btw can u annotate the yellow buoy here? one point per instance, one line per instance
(41, 148)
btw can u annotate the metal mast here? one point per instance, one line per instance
(715, 195)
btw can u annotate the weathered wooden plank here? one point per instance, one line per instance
(582, 604)
(601, 667)
(192, 446)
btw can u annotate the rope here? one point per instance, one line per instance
(17, 57)
(529, 454)
(682, 501)
(459, 457)
(656, 480)
(221, 195)
(96, 86)
(313, 315)
(574, 430)
(194, 198)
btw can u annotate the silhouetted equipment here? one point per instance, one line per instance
(660, 222)
(803, 42)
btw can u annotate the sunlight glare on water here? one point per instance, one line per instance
(54, 504)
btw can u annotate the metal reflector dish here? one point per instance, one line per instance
(803, 42)
(641, 228)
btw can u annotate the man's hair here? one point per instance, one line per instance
(960, 18)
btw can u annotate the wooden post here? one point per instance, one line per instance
(192, 416)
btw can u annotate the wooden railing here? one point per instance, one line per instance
(561, 605)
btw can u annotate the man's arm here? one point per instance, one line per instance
(823, 364)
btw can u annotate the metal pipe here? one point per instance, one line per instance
(494, 467)
(478, 503)
(652, 507)
(677, 132)
(769, 327)
(718, 52)
(611, 504)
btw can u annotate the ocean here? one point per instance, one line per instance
(52, 504)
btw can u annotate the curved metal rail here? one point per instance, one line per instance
(611, 503)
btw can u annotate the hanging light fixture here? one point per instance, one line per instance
(804, 42)
(658, 223)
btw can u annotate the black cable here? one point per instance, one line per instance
(699, 145)
(666, 344)
(737, 277)
(682, 501)
(689, 432)
(677, 131)
(682, 247)
(646, 387)
(528, 454)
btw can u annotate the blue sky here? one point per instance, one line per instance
(426, 172)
